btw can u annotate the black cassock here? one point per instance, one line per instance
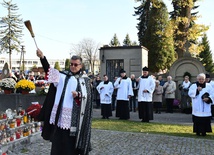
(145, 111)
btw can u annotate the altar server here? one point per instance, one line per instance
(124, 92)
(105, 89)
(146, 85)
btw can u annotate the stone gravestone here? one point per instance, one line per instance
(185, 64)
(5, 71)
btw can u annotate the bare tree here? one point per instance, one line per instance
(88, 50)
(76, 49)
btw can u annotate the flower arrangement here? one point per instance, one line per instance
(34, 110)
(25, 85)
(7, 84)
(44, 90)
(40, 83)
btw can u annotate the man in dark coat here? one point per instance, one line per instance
(96, 94)
(132, 100)
(114, 95)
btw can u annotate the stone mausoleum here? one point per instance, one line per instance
(130, 58)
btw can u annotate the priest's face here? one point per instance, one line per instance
(201, 79)
(75, 65)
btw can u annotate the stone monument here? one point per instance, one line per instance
(185, 64)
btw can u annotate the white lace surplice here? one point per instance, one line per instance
(64, 121)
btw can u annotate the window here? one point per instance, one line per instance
(25, 62)
(29, 62)
(35, 62)
(113, 67)
(61, 63)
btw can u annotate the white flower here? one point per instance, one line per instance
(46, 90)
(7, 83)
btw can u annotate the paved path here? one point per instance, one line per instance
(174, 118)
(128, 143)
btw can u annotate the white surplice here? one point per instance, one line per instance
(199, 107)
(105, 91)
(146, 84)
(124, 88)
(58, 80)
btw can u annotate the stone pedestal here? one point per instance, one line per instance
(13, 101)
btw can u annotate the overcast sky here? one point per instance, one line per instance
(59, 24)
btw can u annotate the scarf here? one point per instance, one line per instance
(75, 109)
(84, 132)
(75, 112)
(60, 102)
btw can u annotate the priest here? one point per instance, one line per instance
(105, 89)
(67, 109)
(201, 94)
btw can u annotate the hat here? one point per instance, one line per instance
(122, 71)
(145, 68)
(207, 76)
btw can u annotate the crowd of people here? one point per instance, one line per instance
(30, 76)
(37, 78)
(147, 94)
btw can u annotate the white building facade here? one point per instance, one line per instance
(29, 63)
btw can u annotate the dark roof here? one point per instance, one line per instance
(106, 47)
